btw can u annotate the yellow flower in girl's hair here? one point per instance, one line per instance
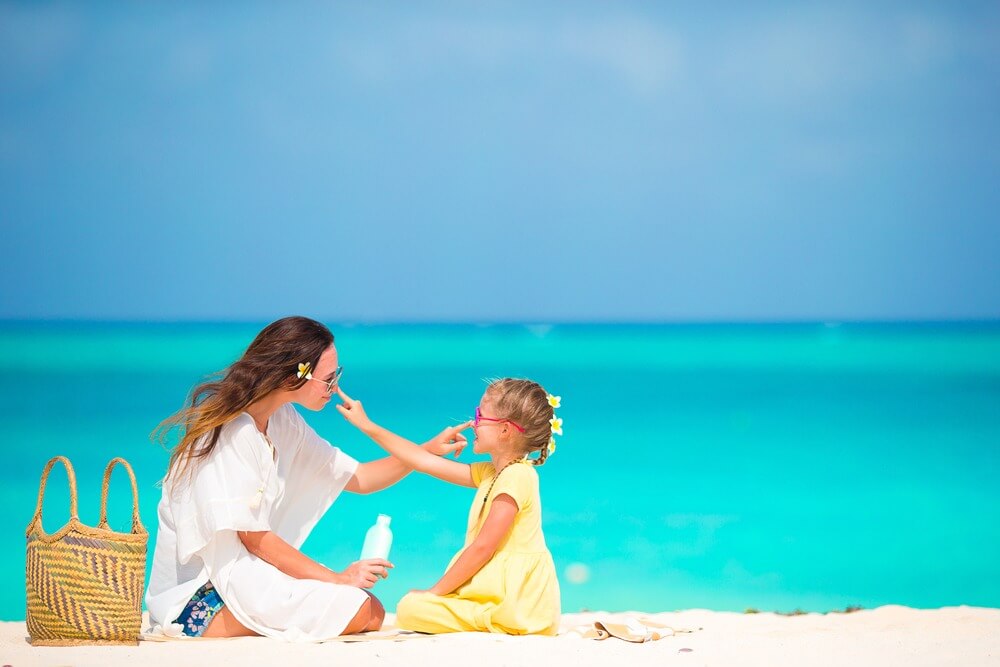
(552, 446)
(556, 425)
(304, 371)
(554, 400)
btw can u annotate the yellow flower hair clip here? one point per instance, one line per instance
(555, 424)
(304, 371)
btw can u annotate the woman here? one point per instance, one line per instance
(246, 484)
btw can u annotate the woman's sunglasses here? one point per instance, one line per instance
(331, 383)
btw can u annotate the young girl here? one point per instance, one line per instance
(247, 483)
(503, 580)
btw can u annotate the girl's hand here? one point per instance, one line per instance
(364, 573)
(352, 411)
(448, 440)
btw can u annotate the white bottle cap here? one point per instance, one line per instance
(384, 519)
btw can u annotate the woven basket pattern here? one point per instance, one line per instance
(85, 584)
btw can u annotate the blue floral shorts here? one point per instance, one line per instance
(200, 610)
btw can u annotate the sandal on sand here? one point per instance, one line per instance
(629, 629)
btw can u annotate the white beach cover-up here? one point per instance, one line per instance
(242, 486)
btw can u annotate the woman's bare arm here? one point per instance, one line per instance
(268, 546)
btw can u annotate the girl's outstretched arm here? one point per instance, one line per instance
(498, 523)
(407, 452)
(376, 475)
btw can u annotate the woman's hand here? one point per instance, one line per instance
(353, 412)
(364, 573)
(448, 440)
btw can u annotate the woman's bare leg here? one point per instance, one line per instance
(377, 615)
(369, 617)
(224, 624)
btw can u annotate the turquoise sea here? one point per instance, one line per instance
(809, 466)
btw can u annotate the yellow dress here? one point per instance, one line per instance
(516, 592)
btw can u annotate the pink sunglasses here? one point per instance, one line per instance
(481, 418)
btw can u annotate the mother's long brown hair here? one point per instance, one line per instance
(271, 362)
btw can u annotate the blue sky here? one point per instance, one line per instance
(531, 161)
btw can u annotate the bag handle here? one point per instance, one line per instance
(103, 522)
(71, 478)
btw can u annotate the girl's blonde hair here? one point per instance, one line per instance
(524, 402)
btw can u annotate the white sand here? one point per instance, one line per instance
(890, 635)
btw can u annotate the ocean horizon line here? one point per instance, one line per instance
(373, 323)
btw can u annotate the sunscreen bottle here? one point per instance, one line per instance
(378, 539)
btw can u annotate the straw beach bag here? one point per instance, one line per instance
(85, 584)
